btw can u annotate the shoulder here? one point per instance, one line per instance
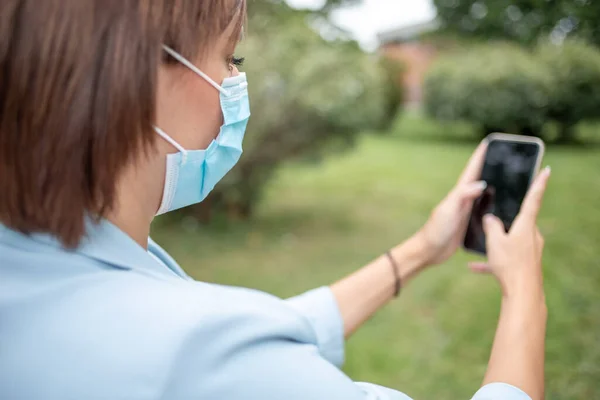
(207, 309)
(110, 331)
(221, 334)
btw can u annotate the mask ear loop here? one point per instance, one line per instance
(195, 69)
(172, 142)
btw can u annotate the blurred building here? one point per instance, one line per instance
(410, 46)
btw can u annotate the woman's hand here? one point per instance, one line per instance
(515, 258)
(444, 232)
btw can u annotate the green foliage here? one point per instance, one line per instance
(524, 21)
(308, 96)
(393, 73)
(499, 88)
(506, 88)
(575, 69)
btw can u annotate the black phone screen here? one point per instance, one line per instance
(508, 171)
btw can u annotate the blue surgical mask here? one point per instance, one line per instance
(192, 174)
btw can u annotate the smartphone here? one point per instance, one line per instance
(511, 163)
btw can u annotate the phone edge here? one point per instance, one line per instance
(538, 163)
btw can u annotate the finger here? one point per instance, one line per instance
(533, 200)
(540, 239)
(472, 171)
(471, 191)
(480, 267)
(493, 228)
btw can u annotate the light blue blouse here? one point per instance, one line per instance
(111, 320)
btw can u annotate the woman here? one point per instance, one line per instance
(104, 107)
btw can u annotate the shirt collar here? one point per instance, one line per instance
(103, 242)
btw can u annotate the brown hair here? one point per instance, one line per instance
(77, 99)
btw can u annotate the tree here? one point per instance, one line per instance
(575, 70)
(524, 21)
(499, 88)
(505, 87)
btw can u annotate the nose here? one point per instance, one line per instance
(233, 71)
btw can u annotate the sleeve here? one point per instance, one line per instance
(272, 350)
(267, 370)
(500, 391)
(320, 308)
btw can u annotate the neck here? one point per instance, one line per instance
(135, 224)
(138, 196)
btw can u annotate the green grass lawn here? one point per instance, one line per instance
(318, 223)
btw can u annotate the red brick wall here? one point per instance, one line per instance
(417, 57)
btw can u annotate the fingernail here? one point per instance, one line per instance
(487, 218)
(481, 185)
(548, 170)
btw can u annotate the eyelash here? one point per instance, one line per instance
(238, 62)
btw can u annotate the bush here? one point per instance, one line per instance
(308, 97)
(507, 88)
(498, 87)
(575, 68)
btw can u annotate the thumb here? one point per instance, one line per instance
(493, 227)
(473, 190)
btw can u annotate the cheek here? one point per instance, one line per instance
(214, 119)
(205, 115)
(217, 114)
(209, 117)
